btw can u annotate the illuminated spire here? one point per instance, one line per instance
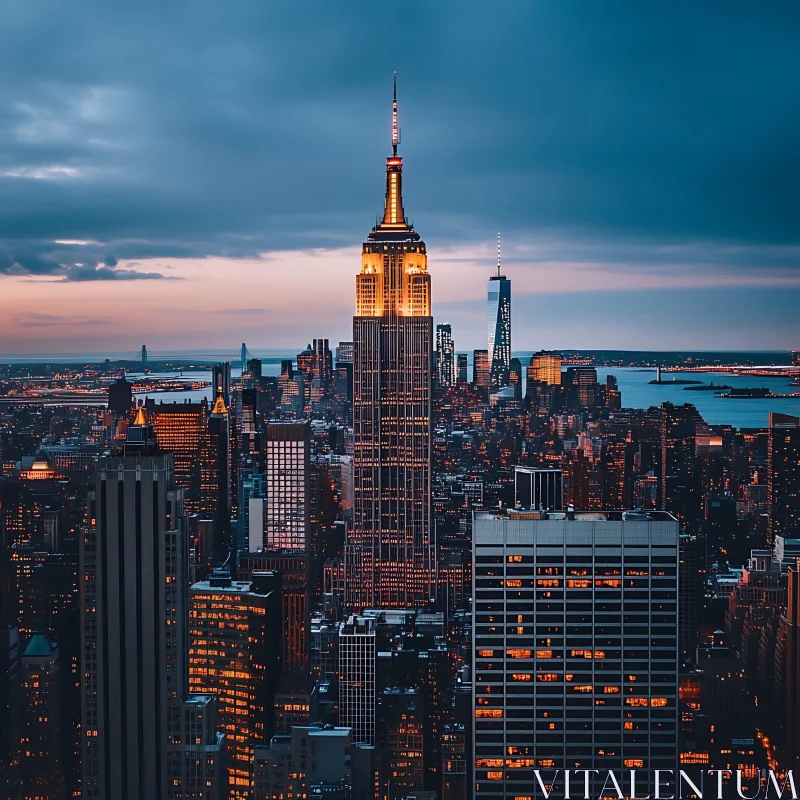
(219, 406)
(395, 129)
(141, 416)
(393, 215)
(498, 255)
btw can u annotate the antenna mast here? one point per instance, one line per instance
(395, 129)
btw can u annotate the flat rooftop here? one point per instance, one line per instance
(577, 516)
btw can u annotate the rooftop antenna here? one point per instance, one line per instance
(498, 255)
(395, 129)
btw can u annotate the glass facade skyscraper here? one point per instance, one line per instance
(499, 304)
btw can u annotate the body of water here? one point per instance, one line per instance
(637, 392)
(634, 383)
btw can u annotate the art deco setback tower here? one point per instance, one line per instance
(392, 355)
(499, 299)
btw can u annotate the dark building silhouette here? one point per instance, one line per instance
(783, 476)
(9, 711)
(40, 731)
(120, 397)
(679, 491)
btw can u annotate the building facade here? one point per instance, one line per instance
(235, 636)
(445, 366)
(545, 366)
(287, 485)
(561, 677)
(134, 614)
(357, 687)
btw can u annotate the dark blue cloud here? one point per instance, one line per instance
(199, 128)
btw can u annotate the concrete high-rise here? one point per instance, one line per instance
(499, 306)
(481, 368)
(134, 614)
(392, 358)
(561, 678)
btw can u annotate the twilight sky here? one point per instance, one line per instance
(195, 174)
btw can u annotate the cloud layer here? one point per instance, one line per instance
(645, 146)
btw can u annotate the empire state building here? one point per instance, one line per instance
(392, 357)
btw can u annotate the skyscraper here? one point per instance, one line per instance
(481, 368)
(357, 653)
(322, 365)
(461, 368)
(235, 654)
(42, 774)
(561, 678)
(392, 355)
(294, 567)
(180, 429)
(288, 477)
(9, 710)
(783, 476)
(134, 615)
(221, 375)
(545, 366)
(499, 305)
(215, 465)
(446, 368)
(679, 493)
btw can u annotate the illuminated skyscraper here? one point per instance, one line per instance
(288, 482)
(392, 355)
(545, 367)
(481, 369)
(180, 429)
(499, 297)
(446, 368)
(235, 655)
